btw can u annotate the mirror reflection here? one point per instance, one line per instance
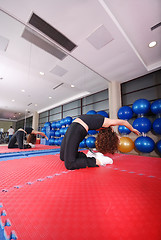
(36, 74)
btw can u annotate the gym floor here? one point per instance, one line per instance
(41, 199)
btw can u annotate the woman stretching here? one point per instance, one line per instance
(17, 140)
(107, 141)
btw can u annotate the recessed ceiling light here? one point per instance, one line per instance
(35, 104)
(152, 44)
(13, 100)
(42, 73)
(22, 90)
(72, 85)
(50, 97)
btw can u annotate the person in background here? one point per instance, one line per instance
(10, 132)
(17, 140)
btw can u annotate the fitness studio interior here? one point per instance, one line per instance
(60, 59)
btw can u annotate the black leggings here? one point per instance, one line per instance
(69, 148)
(18, 137)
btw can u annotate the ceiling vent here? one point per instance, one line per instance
(100, 37)
(32, 37)
(59, 71)
(3, 43)
(51, 32)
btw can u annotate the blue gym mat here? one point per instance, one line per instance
(18, 155)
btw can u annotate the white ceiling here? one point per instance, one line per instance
(125, 24)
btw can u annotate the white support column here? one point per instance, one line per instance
(114, 99)
(35, 121)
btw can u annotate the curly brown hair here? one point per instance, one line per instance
(31, 138)
(107, 141)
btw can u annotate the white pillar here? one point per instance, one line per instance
(35, 121)
(114, 99)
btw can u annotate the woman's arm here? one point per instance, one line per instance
(114, 122)
(40, 133)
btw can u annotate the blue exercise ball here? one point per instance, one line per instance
(91, 112)
(60, 141)
(51, 141)
(47, 124)
(92, 132)
(57, 133)
(65, 129)
(68, 120)
(103, 113)
(43, 130)
(123, 130)
(157, 126)
(61, 131)
(125, 113)
(58, 125)
(144, 144)
(159, 146)
(90, 142)
(56, 141)
(142, 124)
(62, 122)
(52, 133)
(53, 125)
(83, 144)
(156, 106)
(141, 106)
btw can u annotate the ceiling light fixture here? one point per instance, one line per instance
(35, 104)
(72, 85)
(50, 97)
(22, 90)
(13, 100)
(42, 73)
(152, 44)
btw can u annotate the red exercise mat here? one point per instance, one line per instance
(112, 202)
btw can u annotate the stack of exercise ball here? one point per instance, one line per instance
(143, 144)
(126, 144)
(141, 108)
(156, 109)
(46, 129)
(55, 131)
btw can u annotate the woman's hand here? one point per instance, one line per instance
(136, 131)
